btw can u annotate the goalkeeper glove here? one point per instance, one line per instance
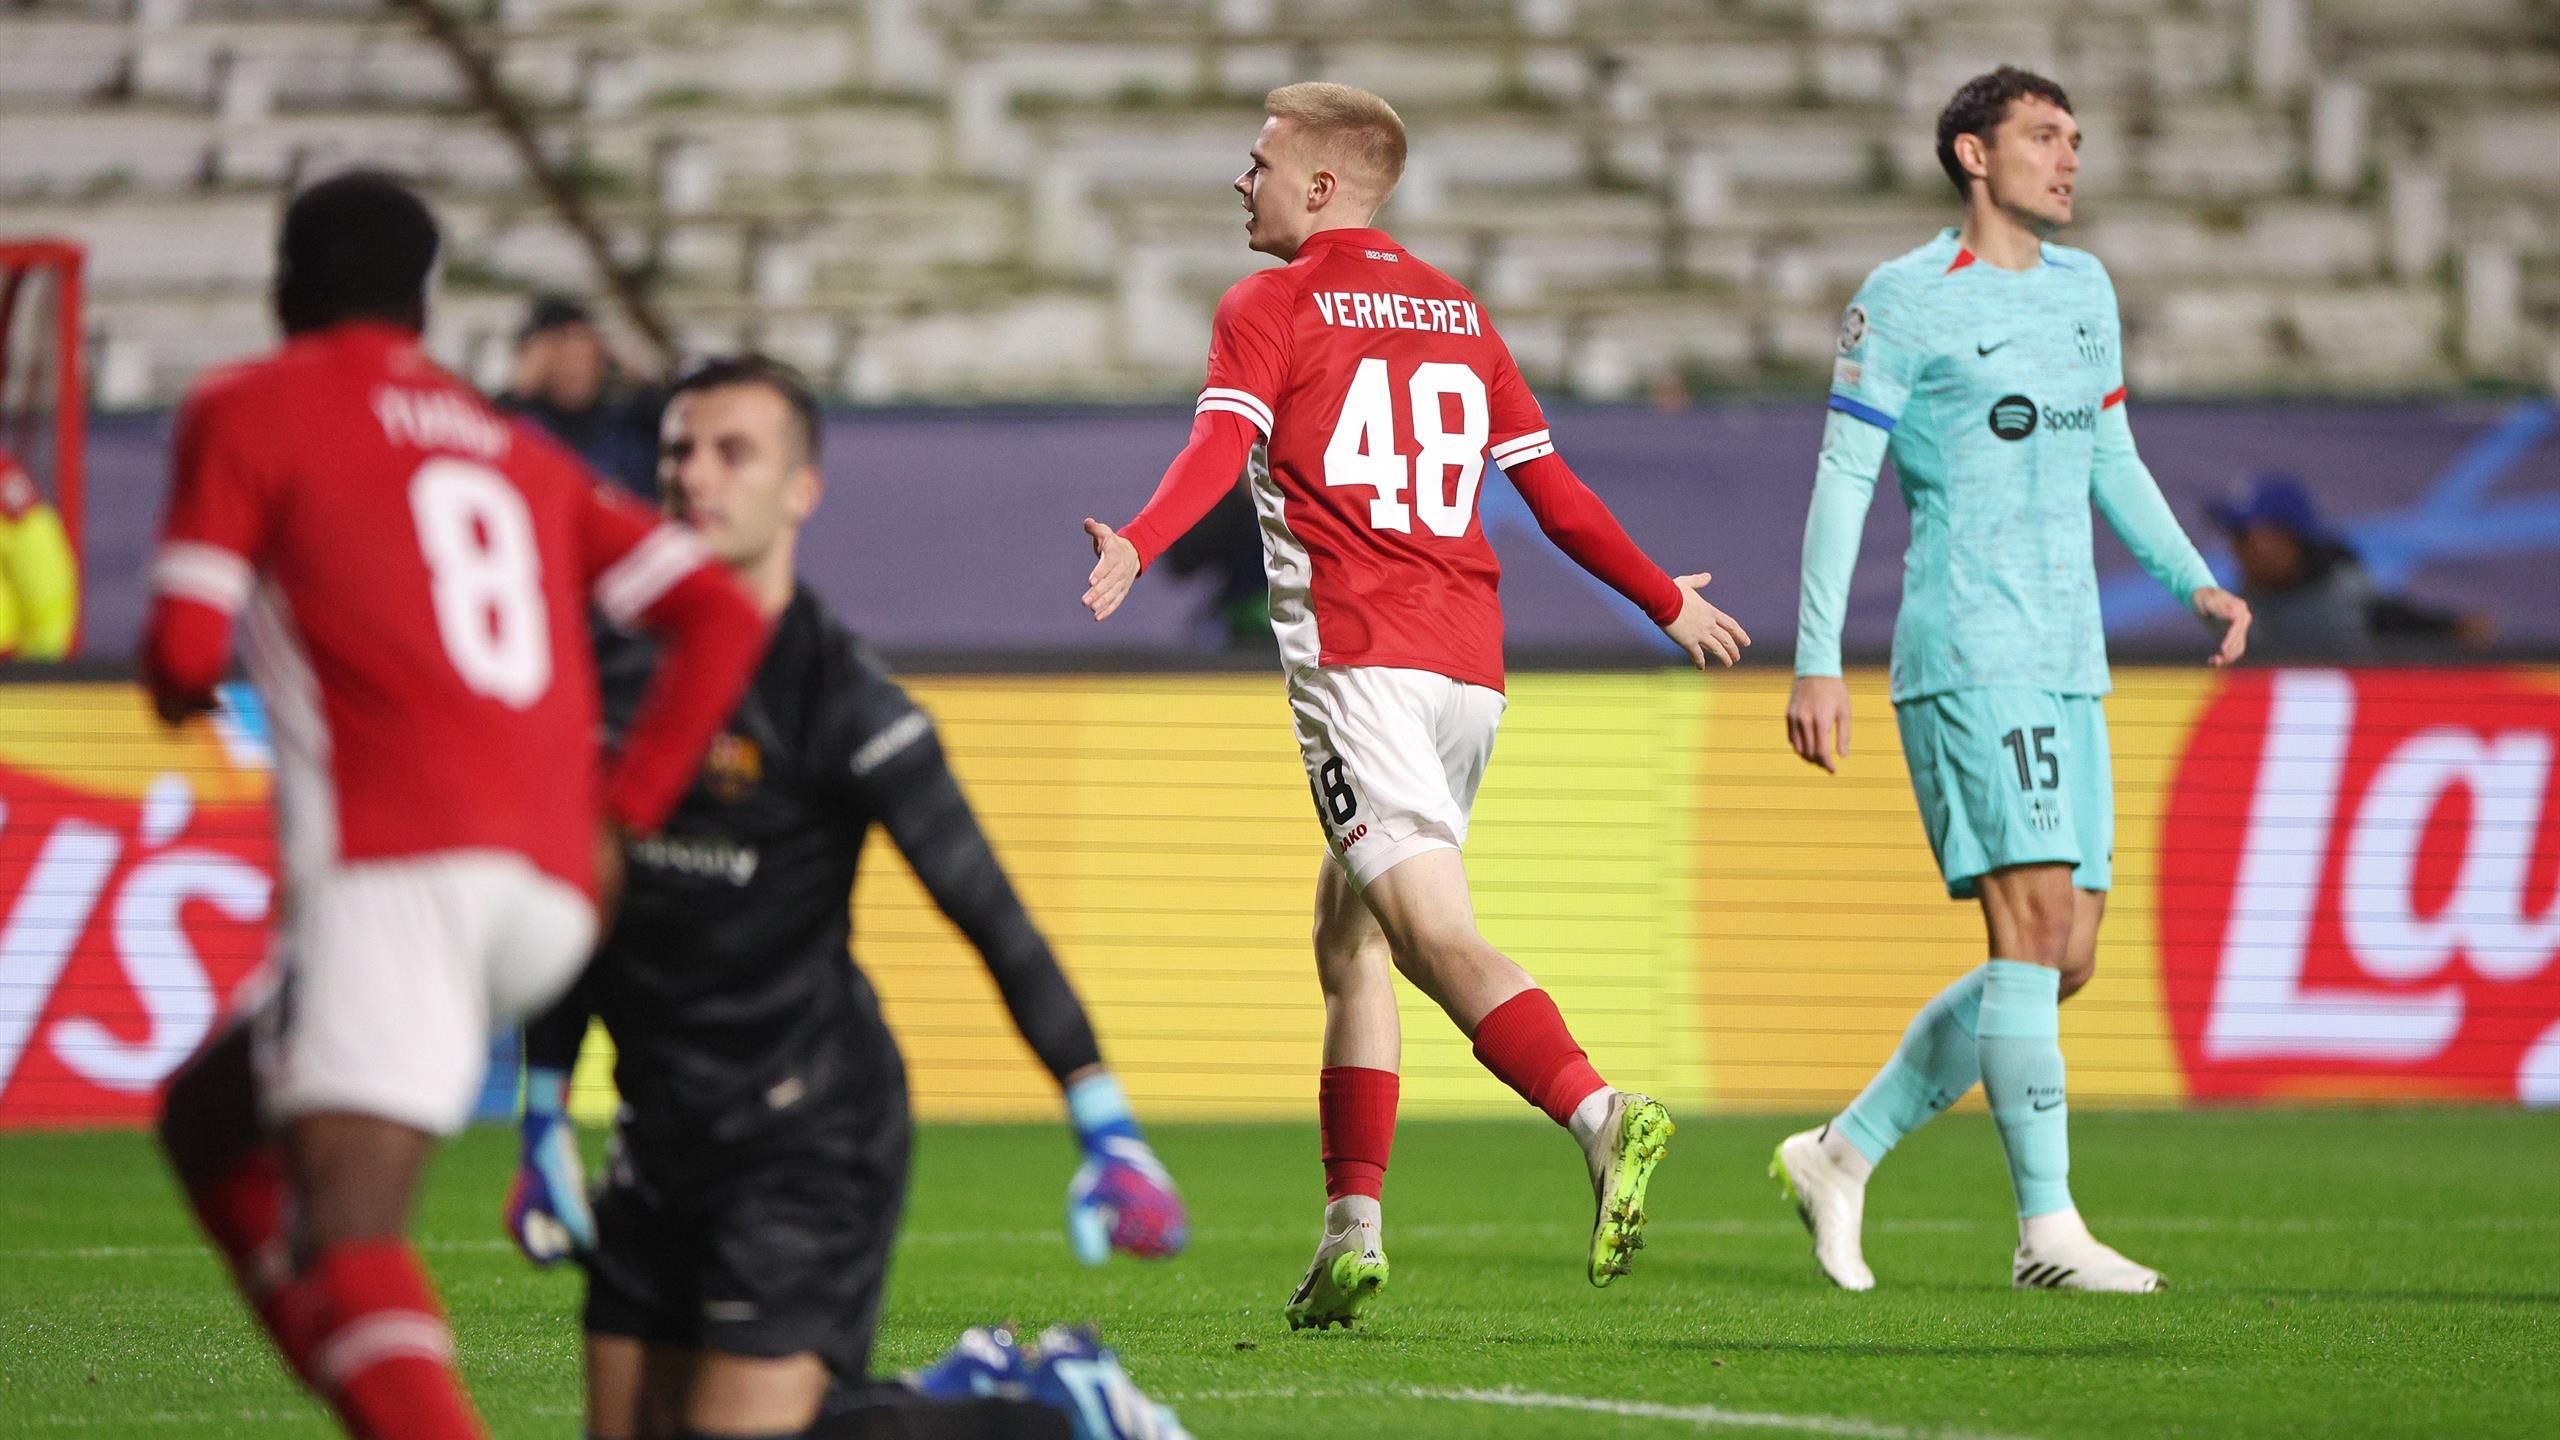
(547, 1209)
(1122, 1197)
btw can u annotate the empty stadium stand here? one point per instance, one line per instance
(997, 199)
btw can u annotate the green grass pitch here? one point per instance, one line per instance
(2334, 1273)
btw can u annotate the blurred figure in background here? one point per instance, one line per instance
(39, 574)
(566, 382)
(2312, 596)
(1227, 545)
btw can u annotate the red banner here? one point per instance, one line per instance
(2360, 888)
(130, 911)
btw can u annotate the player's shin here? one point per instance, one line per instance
(242, 1207)
(1356, 1123)
(1824, 1172)
(2019, 1040)
(1937, 1062)
(1524, 1042)
(383, 1356)
(233, 1177)
(1623, 1135)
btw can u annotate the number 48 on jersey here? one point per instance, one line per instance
(1444, 476)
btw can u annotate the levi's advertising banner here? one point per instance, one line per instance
(2329, 886)
(136, 873)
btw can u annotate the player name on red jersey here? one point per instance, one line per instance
(439, 420)
(1385, 310)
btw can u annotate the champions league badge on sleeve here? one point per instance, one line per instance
(1853, 328)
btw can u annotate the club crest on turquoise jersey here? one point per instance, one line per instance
(2095, 346)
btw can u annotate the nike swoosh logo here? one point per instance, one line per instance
(1981, 349)
(2044, 1105)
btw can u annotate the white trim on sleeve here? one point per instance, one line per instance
(894, 739)
(1236, 402)
(648, 570)
(1521, 449)
(207, 574)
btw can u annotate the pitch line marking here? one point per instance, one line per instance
(1494, 1230)
(1705, 1417)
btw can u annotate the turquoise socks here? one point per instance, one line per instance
(2019, 1041)
(1937, 1063)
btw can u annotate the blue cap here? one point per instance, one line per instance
(2274, 497)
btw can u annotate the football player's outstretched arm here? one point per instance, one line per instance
(907, 784)
(1582, 527)
(655, 574)
(1192, 486)
(1121, 1198)
(1248, 368)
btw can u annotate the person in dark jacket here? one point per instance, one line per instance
(2313, 598)
(565, 381)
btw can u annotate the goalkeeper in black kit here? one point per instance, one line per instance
(736, 1249)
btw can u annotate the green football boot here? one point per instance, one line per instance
(1631, 1142)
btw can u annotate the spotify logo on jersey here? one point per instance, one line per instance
(2013, 417)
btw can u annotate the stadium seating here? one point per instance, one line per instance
(926, 199)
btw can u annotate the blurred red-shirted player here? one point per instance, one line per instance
(1361, 393)
(411, 572)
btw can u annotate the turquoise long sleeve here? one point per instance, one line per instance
(1844, 484)
(2139, 513)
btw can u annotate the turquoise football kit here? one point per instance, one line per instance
(1999, 396)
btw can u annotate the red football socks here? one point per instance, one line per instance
(242, 1210)
(384, 1358)
(1525, 1044)
(1356, 1116)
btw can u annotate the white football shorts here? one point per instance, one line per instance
(391, 975)
(1394, 758)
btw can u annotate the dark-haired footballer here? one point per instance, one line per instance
(410, 574)
(742, 1233)
(1989, 365)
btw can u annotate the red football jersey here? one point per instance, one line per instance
(412, 571)
(1381, 390)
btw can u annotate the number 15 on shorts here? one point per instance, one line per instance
(2024, 745)
(2039, 769)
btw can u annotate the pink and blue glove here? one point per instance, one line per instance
(1122, 1197)
(547, 1209)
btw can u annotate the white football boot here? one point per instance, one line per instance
(1350, 1268)
(1830, 1201)
(2057, 1252)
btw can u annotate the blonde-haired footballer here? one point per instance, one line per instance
(1362, 392)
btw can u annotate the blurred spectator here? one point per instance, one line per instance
(2309, 593)
(1227, 545)
(565, 382)
(39, 576)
